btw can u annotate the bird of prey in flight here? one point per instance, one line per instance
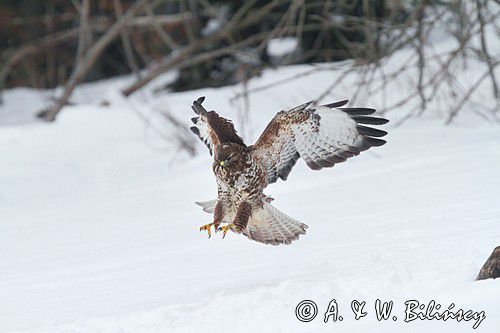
(321, 135)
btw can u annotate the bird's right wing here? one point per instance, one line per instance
(211, 128)
(322, 136)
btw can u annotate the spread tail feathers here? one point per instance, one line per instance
(208, 206)
(267, 225)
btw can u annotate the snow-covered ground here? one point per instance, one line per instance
(99, 230)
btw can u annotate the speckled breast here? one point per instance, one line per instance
(242, 183)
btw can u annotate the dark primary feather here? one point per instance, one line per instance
(195, 130)
(197, 107)
(370, 120)
(301, 107)
(337, 104)
(369, 131)
(358, 111)
(373, 142)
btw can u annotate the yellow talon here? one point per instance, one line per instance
(207, 227)
(225, 229)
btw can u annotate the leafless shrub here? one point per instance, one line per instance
(432, 74)
(370, 38)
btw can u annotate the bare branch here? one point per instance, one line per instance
(127, 46)
(90, 58)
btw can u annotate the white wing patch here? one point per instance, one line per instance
(322, 136)
(329, 137)
(200, 128)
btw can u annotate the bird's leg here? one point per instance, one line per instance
(224, 229)
(218, 215)
(207, 227)
(242, 216)
(217, 220)
(240, 220)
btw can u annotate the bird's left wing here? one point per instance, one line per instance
(211, 128)
(322, 136)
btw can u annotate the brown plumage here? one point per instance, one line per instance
(491, 268)
(322, 136)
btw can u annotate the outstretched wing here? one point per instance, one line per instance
(211, 128)
(322, 136)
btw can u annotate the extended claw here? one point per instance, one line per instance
(224, 229)
(207, 227)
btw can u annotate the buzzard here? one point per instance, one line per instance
(321, 135)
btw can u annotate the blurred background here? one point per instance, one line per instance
(63, 43)
(99, 171)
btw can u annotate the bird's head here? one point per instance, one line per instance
(228, 155)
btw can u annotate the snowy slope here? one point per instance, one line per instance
(99, 231)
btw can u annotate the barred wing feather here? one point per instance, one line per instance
(322, 136)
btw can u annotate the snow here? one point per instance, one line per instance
(279, 47)
(99, 230)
